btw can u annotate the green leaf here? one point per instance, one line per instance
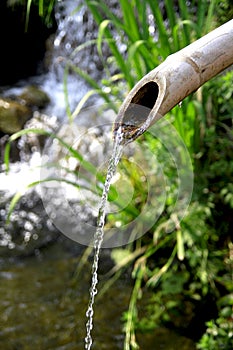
(29, 3)
(103, 25)
(120, 254)
(15, 137)
(12, 205)
(82, 103)
(180, 245)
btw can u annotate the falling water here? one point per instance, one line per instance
(99, 234)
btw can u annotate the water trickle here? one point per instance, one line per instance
(99, 234)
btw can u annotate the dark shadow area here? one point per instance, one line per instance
(141, 105)
(21, 51)
(147, 95)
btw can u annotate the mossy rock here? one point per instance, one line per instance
(34, 96)
(13, 115)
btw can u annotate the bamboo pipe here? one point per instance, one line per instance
(178, 76)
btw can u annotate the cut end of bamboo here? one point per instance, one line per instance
(140, 108)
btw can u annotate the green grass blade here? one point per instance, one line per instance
(19, 194)
(95, 8)
(7, 156)
(179, 38)
(126, 261)
(84, 260)
(15, 137)
(29, 3)
(50, 10)
(92, 83)
(153, 281)
(180, 245)
(66, 93)
(12, 205)
(103, 25)
(99, 8)
(185, 17)
(141, 7)
(82, 47)
(132, 315)
(209, 18)
(175, 37)
(87, 165)
(201, 16)
(100, 41)
(133, 57)
(82, 103)
(169, 5)
(76, 10)
(41, 8)
(129, 18)
(160, 27)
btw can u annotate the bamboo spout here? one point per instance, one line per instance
(178, 76)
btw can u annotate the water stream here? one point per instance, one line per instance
(98, 238)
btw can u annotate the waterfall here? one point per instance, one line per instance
(74, 27)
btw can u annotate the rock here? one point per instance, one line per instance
(29, 228)
(13, 115)
(34, 96)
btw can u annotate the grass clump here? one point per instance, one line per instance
(183, 268)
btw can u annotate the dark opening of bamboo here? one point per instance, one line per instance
(141, 105)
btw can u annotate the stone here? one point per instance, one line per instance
(34, 96)
(13, 115)
(29, 228)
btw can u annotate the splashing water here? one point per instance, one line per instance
(99, 234)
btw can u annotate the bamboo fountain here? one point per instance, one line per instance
(177, 77)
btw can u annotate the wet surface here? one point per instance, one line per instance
(164, 339)
(43, 306)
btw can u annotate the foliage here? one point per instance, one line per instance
(224, 11)
(140, 35)
(45, 8)
(136, 26)
(219, 332)
(190, 260)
